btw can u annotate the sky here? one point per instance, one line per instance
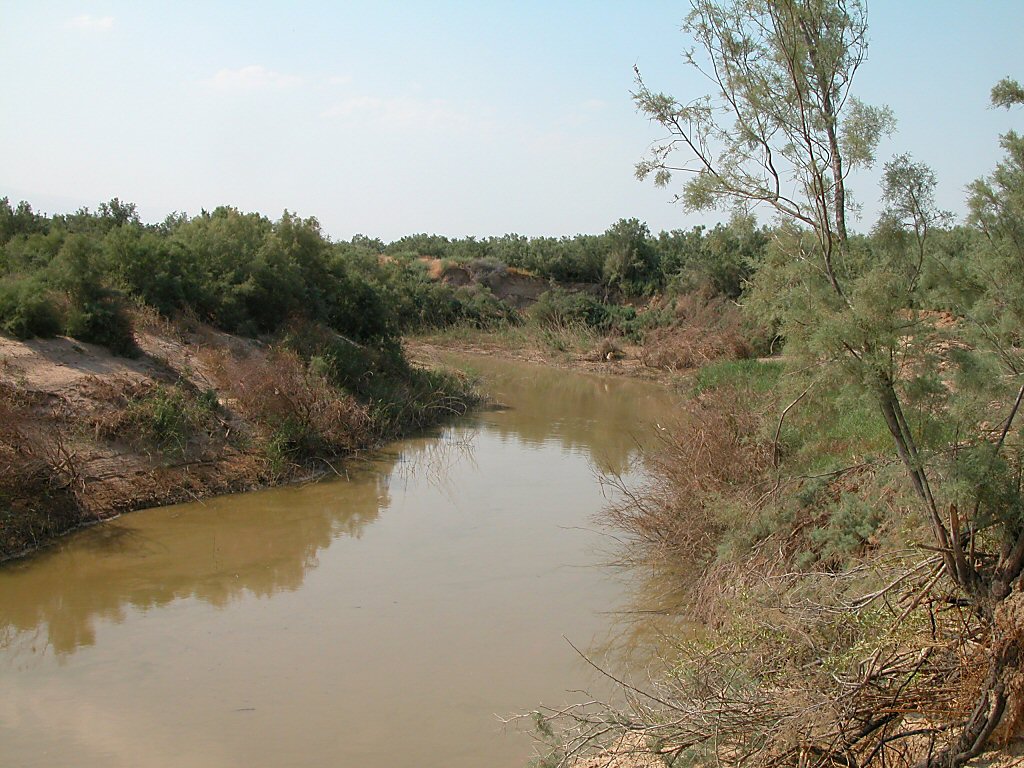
(456, 118)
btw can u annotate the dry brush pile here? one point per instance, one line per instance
(706, 328)
(39, 477)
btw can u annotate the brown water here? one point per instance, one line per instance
(380, 620)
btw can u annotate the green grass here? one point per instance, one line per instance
(759, 376)
(830, 430)
(168, 416)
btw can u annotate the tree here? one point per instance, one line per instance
(996, 208)
(908, 189)
(117, 213)
(20, 220)
(631, 263)
(783, 130)
(1007, 93)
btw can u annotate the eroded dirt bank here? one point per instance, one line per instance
(70, 455)
(86, 435)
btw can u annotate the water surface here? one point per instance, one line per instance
(380, 619)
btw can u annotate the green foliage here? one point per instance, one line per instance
(756, 376)
(1007, 93)
(997, 210)
(781, 120)
(96, 313)
(398, 396)
(721, 260)
(631, 264)
(992, 480)
(159, 271)
(435, 246)
(420, 399)
(557, 309)
(246, 274)
(478, 306)
(166, 417)
(27, 309)
(102, 321)
(20, 220)
(851, 523)
(624, 259)
(559, 306)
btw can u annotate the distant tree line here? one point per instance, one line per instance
(78, 273)
(626, 258)
(241, 272)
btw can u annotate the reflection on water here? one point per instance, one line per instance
(256, 543)
(602, 417)
(359, 620)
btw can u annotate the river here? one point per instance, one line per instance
(385, 618)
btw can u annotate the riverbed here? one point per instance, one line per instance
(391, 615)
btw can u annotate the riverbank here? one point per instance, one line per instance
(90, 435)
(775, 512)
(573, 351)
(455, 561)
(87, 435)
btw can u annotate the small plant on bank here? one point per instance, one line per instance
(162, 416)
(299, 413)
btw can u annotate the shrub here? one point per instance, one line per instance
(38, 476)
(164, 416)
(850, 525)
(701, 474)
(102, 320)
(301, 414)
(707, 328)
(559, 307)
(27, 309)
(345, 363)
(480, 307)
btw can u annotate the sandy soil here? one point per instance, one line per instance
(73, 385)
(627, 362)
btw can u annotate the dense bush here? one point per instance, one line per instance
(247, 274)
(559, 306)
(27, 309)
(297, 411)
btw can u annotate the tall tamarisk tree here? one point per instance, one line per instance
(781, 129)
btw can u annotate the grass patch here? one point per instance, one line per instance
(829, 430)
(759, 376)
(162, 416)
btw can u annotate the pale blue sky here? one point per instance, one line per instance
(460, 118)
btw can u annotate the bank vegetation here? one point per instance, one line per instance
(839, 505)
(846, 523)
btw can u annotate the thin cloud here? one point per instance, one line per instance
(254, 77)
(92, 23)
(397, 111)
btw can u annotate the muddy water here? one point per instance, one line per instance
(377, 620)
